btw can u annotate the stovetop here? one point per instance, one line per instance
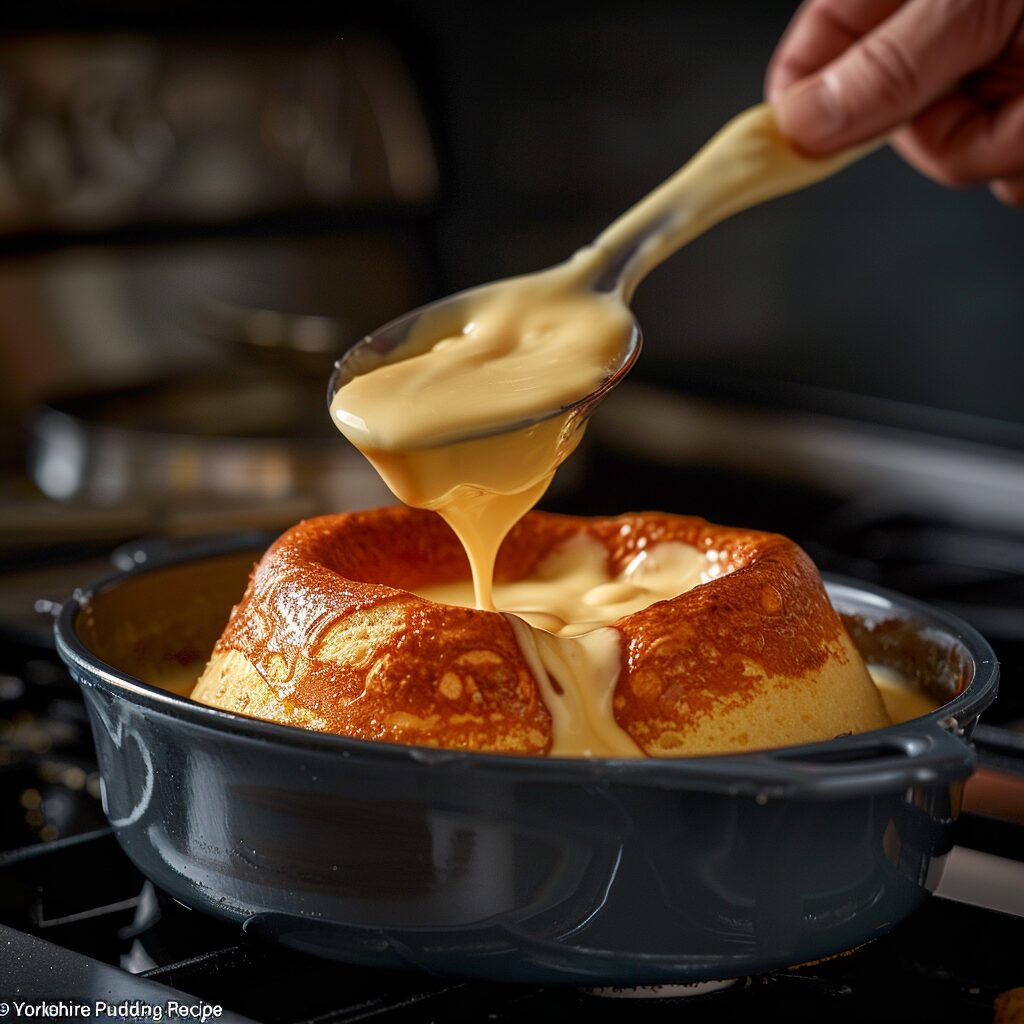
(78, 923)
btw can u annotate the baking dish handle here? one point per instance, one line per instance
(923, 752)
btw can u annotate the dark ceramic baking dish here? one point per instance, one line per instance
(612, 872)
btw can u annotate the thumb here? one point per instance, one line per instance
(895, 71)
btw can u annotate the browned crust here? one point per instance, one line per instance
(708, 650)
(1009, 1007)
(325, 573)
(411, 670)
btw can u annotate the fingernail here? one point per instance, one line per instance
(809, 112)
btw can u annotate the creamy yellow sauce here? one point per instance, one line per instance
(902, 699)
(481, 487)
(571, 592)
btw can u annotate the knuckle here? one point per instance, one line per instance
(990, 22)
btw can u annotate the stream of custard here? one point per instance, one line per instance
(561, 616)
(518, 349)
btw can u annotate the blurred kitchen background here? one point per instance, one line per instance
(199, 212)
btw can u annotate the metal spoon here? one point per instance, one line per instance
(747, 162)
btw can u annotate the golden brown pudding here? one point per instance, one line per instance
(744, 651)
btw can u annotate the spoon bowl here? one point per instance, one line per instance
(415, 332)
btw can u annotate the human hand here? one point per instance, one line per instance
(947, 75)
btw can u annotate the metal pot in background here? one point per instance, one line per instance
(197, 443)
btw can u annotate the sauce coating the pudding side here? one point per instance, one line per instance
(561, 615)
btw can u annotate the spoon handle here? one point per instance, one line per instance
(747, 162)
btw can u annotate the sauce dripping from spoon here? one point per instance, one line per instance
(468, 406)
